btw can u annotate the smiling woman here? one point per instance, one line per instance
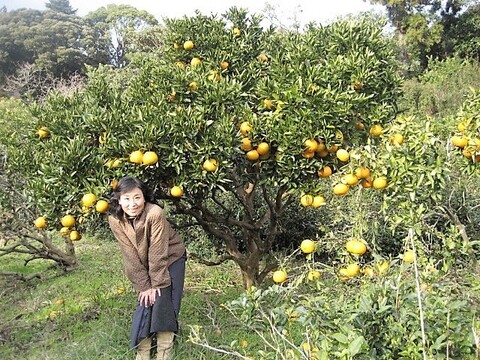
(154, 261)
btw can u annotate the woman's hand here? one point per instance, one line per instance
(147, 297)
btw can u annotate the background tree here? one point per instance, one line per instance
(423, 28)
(62, 6)
(115, 25)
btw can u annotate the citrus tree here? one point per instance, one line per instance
(228, 122)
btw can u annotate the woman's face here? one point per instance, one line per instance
(132, 202)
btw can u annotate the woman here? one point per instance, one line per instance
(154, 261)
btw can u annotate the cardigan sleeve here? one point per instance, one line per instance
(134, 269)
(158, 250)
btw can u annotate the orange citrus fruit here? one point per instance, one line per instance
(308, 246)
(246, 144)
(210, 165)
(263, 148)
(318, 201)
(310, 145)
(408, 256)
(195, 61)
(306, 200)
(176, 191)
(356, 247)
(313, 275)
(253, 155)
(350, 179)
(75, 235)
(352, 270)
(459, 141)
(376, 130)
(362, 172)
(279, 276)
(68, 221)
(136, 157)
(263, 57)
(65, 231)
(89, 199)
(325, 172)
(150, 158)
(101, 206)
(343, 155)
(224, 65)
(340, 189)
(188, 45)
(41, 222)
(397, 139)
(245, 128)
(43, 132)
(380, 183)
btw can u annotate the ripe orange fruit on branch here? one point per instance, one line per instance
(350, 179)
(343, 155)
(397, 139)
(150, 158)
(279, 276)
(176, 191)
(408, 256)
(308, 246)
(75, 235)
(380, 183)
(376, 130)
(65, 231)
(101, 206)
(43, 132)
(68, 221)
(246, 144)
(136, 157)
(325, 172)
(263, 58)
(195, 61)
(310, 145)
(318, 201)
(362, 172)
(306, 200)
(356, 247)
(245, 128)
(210, 165)
(89, 199)
(263, 148)
(41, 222)
(188, 45)
(352, 270)
(313, 275)
(253, 155)
(459, 141)
(340, 189)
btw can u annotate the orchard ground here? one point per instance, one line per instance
(86, 314)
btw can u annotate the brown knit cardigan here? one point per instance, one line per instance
(149, 247)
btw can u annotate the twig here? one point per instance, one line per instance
(419, 296)
(209, 347)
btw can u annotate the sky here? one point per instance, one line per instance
(321, 11)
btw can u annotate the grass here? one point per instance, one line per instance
(86, 314)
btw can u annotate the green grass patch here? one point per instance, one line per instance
(86, 313)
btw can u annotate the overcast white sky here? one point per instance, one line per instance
(322, 11)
